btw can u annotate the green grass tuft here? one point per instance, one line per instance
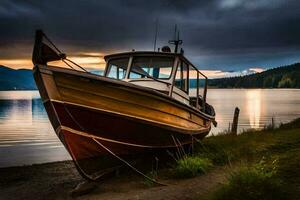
(252, 183)
(188, 167)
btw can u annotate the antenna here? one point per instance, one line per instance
(156, 33)
(176, 40)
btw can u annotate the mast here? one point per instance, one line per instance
(156, 33)
(176, 41)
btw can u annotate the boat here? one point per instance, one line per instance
(141, 104)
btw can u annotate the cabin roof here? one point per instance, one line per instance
(146, 53)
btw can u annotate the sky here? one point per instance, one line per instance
(221, 37)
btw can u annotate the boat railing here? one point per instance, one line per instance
(199, 73)
(199, 76)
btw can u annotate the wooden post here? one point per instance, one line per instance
(197, 99)
(204, 95)
(235, 121)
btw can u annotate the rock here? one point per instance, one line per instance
(84, 188)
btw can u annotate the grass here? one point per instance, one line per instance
(189, 166)
(254, 182)
(293, 124)
(265, 164)
(250, 145)
(255, 151)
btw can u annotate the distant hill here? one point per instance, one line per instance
(281, 77)
(11, 79)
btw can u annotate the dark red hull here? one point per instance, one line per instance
(78, 128)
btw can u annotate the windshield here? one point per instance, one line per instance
(156, 67)
(117, 68)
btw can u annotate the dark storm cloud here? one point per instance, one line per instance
(218, 34)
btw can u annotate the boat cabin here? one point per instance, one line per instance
(166, 72)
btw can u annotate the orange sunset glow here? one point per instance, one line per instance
(87, 60)
(257, 69)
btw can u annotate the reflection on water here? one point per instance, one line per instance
(254, 110)
(27, 137)
(257, 107)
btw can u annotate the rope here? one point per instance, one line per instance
(200, 142)
(129, 165)
(63, 59)
(178, 150)
(115, 155)
(52, 43)
(76, 64)
(67, 64)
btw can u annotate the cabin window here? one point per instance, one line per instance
(182, 76)
(117, 68)
(156, 67)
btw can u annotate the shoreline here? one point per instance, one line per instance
(36, 164)
(56, 180)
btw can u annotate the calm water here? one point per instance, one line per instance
(257, 107)
(27, 137)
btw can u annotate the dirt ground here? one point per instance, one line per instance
(57, 180)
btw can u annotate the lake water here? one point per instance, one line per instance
(27, 137)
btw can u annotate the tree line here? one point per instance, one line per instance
(282, 77)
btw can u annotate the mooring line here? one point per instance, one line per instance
(129, 165)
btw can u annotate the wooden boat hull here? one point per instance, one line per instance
(96, 116)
